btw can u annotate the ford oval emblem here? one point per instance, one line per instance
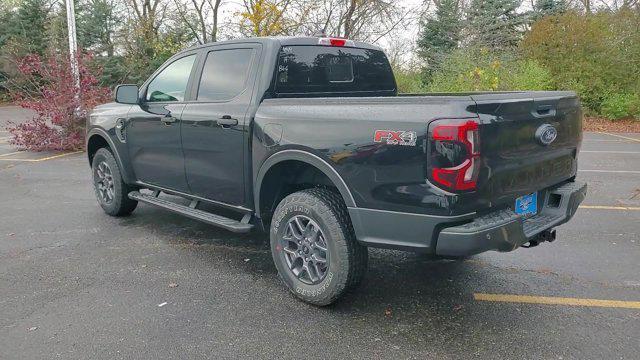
(546, 134)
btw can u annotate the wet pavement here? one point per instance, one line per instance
(78, 284)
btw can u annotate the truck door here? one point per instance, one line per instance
(215, 125)
(153, 127)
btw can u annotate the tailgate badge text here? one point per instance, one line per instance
(395, 137)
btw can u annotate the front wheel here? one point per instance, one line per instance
(314, 246)
(111, 191)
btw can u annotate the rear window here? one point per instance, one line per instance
(225, 74)
(323, 70)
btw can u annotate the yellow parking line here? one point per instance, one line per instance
(620, 136)
(601, 207)
(43, 159)
(547, 300)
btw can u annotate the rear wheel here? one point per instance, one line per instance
(314, 247)
(111, 191)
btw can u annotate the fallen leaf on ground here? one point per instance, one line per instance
(601, 124)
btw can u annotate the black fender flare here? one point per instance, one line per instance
(103, 134)
(305, 157)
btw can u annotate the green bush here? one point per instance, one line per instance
(596, 55)
(484, 70)
(408, 81)
(619, 106)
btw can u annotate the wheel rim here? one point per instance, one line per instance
(104, 183)
(305, 250)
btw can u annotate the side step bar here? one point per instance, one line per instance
(242, 226)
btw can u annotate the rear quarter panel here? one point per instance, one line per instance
(341, 132)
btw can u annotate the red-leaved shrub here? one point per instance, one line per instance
(47, 87)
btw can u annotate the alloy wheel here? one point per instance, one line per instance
(305, 250)
(104, 182)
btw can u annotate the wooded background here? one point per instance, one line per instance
(592, 47)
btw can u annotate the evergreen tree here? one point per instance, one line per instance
(28, 26)
(439, 35)
(495, 24)
(97, 21)
(549, 7)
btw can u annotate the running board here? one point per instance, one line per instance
(236, 226)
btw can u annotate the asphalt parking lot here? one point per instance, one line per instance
(78, 284)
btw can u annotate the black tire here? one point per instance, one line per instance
(118, 204)
(346, 258)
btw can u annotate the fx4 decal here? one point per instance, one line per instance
(395, 137)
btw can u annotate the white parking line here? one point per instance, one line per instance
(609, 152)
(607, 140)
(612, 171)
(605, 207)
(11, 153)
(619, 136)
(42, 159)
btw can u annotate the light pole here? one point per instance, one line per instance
(73, 45)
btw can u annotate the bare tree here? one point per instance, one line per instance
(366, 20)
(200, 17)
(149, 14)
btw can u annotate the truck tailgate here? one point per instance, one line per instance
(516, 157)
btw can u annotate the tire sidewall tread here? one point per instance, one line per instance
(347, 258)
(121, 205)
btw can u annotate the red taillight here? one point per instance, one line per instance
(454, 149)
(335, 42)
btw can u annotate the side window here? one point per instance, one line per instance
(225, 74)
(171, 83)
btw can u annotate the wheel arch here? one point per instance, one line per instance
(98, 138)
(304, 157)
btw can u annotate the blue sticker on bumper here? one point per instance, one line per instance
(527, 204)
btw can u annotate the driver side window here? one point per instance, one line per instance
(171, 83)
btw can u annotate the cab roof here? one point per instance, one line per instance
(284, 41)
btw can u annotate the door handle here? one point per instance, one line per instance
(227, 121)
(168, 120)
(544, 111)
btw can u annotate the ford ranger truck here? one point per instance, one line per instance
(307, 138)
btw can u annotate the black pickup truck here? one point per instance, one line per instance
(308, 139)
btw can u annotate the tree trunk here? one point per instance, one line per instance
(348, 18)
(214, 31)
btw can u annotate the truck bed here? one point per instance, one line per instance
(394, 177)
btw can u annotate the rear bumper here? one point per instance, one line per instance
(443, 235)
(505, 231)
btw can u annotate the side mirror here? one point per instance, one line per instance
(127, 94)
